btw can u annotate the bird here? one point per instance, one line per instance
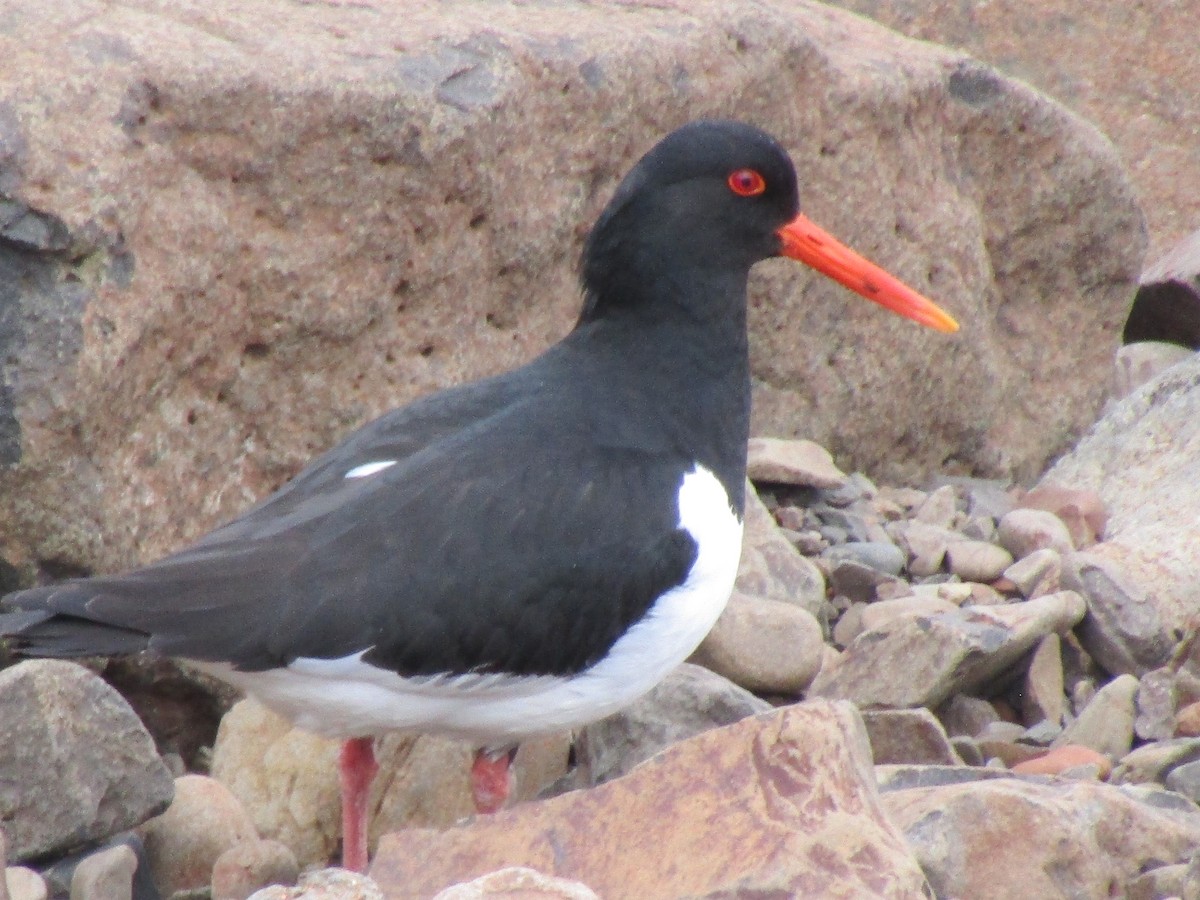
(518, 555)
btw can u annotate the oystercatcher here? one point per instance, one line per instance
(519, 555)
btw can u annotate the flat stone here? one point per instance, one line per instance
(884, 557)
(921, 662)
(251, 865)
(1185, 779)
(1038, 573)
(878, 614)
(1062, 838)
(926, 545)
(738, 813)
(856, 581)
(770, 567)
(518, 882)
(1043, 698)
(689, 701)
(1124, 631)
(966, 716)
(763, 646)
(976, 560)
(107, 875)
(908, 736)
(1106, 723)
(86, 766)
(1024, 531)
(1061, 759)
(796, 462)
(325, 884)
(940, 508)
(1152, 762)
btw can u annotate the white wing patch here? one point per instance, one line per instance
(370, 468)
(348, 697)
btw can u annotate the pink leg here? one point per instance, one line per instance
(490, 782)
(357, 768)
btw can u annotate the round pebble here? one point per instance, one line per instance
(977, 560)
(248, 866)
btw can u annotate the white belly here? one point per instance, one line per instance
(347, 697)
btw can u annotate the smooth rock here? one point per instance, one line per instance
(1141, 362)
(966, 716)
(1187, 721)
(202, 822)
(518, 882)
(796, 462)
(1082, 511)
(940, 508)
(763, 646)
(858, 582)
(1152, 762)
(24, 884)
(921, 662)
(883, 557)
(249, 866)
(1061, 759)
(1038, 573)
(1106, 723)
(1065, 838)
(909, 737)
(286, 779)
(107, 875)
(1185, 779)
(687, 702)
(771, 568)
(976, 560)
(86, 766)
(325, 884)
(736, 812)
(1043, 698)
(926, 545)
(1024, 531)
(1125, 631)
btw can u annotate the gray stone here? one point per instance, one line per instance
(968, 751)
(926, 545)
(689, 701)
(1106, 723)
(1185, 779)
(85, 765)
(966, 716)
(921, 662)
(976, 560)
(1124, 630)
(884, 557)
(794, 462)
(1152, 762)
(856, 581)
(1024, 531)
(908, 736)
(107, 875)
(904, 778)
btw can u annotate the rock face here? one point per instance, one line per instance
(80, 765)
(217, 260)
(1140, 582)
(782, 804)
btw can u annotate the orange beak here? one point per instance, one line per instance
(814, 247)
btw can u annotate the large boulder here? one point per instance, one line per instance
(229, 235)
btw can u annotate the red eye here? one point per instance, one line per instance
(746, 183)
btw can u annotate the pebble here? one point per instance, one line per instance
(966, 716)
(1060, 759)
(24, 884)
(1023, 531)
(251, 865)
(880, 556)
(1081, 511)
(856, 580)
(107, 875)
(940, 508)
(1187, 721)
(878, 614)
(1038, 573)
(324, 884)
(781, 461)
(518, 882)
(1043, 698)
(976, 560)
(1106, 723)
(1185, 779)
(926, 545)
(1156, 717)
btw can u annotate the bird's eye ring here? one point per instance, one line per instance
(746, 183)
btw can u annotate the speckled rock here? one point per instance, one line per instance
(86, 766)
(518, 882)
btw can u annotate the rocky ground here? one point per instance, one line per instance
(974, 673)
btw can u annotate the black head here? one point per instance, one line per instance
(705, 203)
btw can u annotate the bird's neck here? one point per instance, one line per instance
(680, 351)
